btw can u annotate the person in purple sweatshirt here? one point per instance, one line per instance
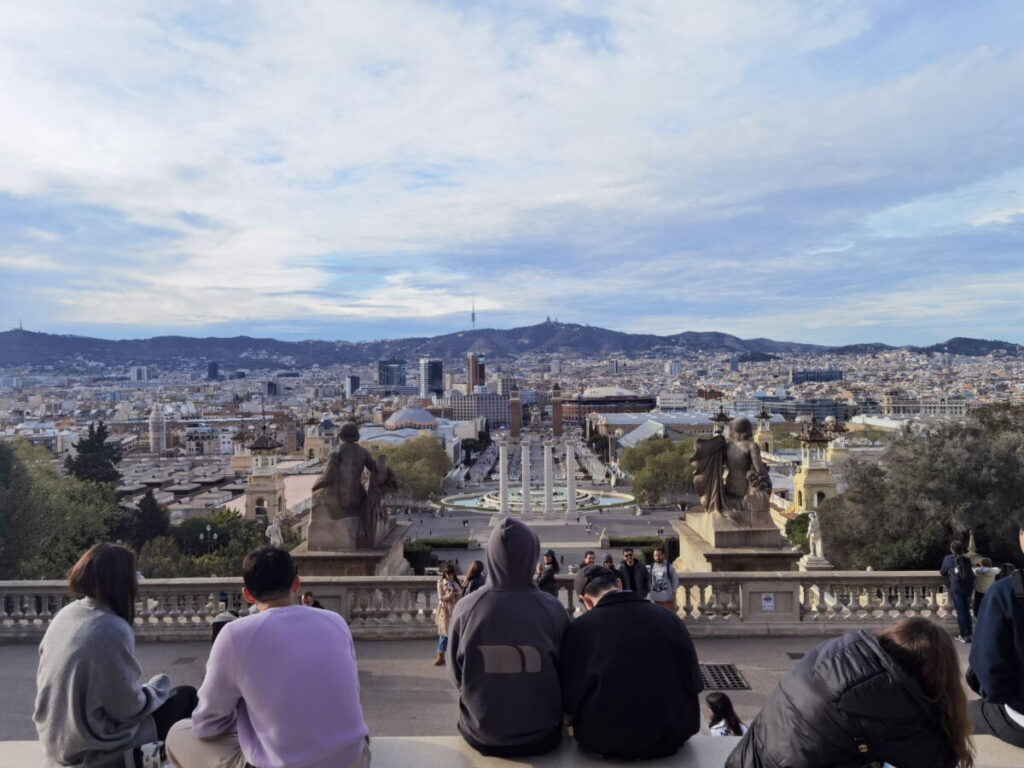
(281, 687)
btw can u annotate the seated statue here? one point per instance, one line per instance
(341, 498)
(730, 477)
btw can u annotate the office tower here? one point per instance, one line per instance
(475, 373)
(391, 373)
(138, 373)
(212, 371)
(351, 385)
(431, 377)
(672, 368)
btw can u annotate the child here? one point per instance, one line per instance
(722, 718)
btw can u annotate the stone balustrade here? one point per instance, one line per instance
(711, 604)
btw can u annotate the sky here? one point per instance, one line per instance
(828, 172)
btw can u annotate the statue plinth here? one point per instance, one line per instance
(813, 563)
(385, 559)
(711, 542)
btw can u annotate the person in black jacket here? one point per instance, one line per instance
(997, 658)
(634, 574)
(546, 573)
(894, 696)
(620, 640)
(959, 572)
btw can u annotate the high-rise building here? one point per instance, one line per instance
(391, 373)
(673, 368)
(734, 362)
(475, 372)
(613, 366)
(157, 431)
(431, 377)
(213, 371)
(351, 385)
(138, 373)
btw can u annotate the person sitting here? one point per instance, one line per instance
(891, 696)
(621, 640)
(90, 709)
(722, 718)
(997, 659)
(503, 652)
(281, 687)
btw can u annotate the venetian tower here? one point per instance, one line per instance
(814, 481)
(264, 492)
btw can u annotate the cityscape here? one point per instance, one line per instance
(494, 385)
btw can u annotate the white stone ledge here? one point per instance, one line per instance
(452, 752)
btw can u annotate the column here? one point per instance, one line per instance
(527, 508)
(549, 471)
(503, 476)
(570, 479)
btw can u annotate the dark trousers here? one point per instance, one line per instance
(991, 719)
(179, 706)
(962, 603)
(978, 597)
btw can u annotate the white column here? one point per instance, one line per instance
(503, 476)
(549, 471)
(527, 508)
(570, 479)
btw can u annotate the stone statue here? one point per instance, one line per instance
(383, 484)
(731, 479)
(814, 536)
(273, 533)
(342, 510)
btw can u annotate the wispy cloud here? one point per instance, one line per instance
(645, 165)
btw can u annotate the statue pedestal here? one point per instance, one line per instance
(812, 563)
(714, 543)
(386, 559)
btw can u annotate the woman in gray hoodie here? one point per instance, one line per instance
(504, 642)
(91, 707)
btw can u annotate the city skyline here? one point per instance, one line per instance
(820, 174)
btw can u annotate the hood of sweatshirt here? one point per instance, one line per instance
(512, 553)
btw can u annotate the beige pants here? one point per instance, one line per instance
(186, 750)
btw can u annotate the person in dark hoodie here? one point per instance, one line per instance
(620, 640)
(892, 696)
(503, 652)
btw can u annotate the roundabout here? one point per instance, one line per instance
(490, 501)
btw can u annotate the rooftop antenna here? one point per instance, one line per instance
(472, 314)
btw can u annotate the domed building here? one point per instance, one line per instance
(410, 418)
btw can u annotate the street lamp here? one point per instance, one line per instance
(208, 539)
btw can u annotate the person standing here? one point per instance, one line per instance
(634, 574)
(281, 686)
(546, 573)
(664, 582)
(448, 593)
(90, 708)
(984, 577)
(606, 651)
(504, 652)
(956, 567)
(997, 658)
(475, 578)
(588, 559)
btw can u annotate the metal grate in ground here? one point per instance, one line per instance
(723, 677)
(795, 656)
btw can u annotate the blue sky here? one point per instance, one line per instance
(816, 171)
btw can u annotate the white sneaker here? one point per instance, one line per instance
(961, 639)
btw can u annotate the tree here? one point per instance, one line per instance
(929, 489)
(96, 459)
(420, 465)
(796, 529)
(146, 522)
(661, 469)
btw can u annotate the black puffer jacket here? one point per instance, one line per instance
(846, 704)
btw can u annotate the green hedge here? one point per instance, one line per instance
(420, 553)
(647, 545)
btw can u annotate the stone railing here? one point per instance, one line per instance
(711, 604)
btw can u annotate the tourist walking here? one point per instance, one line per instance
(959, 573)
(997, 658)
(630, 677)
(722, 718)
(893, 696)
(90, 708)
(504, 651)
(281, 686)
(474, 579)
(664, 582)
(546, 573)
(634, 574)
(448, 593)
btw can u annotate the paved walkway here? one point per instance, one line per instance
(402, 693)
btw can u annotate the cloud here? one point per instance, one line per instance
(222, 164)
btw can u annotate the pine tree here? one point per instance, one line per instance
(147, 521)
(97, 459)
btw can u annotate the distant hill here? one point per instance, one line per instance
(19, 347)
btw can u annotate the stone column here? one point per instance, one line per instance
(570, 479)
(527, 509)
(503, 476)
(549, 471)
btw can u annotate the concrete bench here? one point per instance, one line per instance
(453, 752)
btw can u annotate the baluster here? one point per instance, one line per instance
(732, 607)
(189, 613)
(687, 602)
(44, 604)
(807, 606)
(884, 603)
(702, 606)
(160, 612)
(16, 615)
(919, 599)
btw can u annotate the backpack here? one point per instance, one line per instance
(963, 572)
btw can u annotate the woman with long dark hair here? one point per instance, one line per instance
(546, 572)
(448, 593)
(91, 708)
(893, 696)
(474, 578)
(722, 718)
